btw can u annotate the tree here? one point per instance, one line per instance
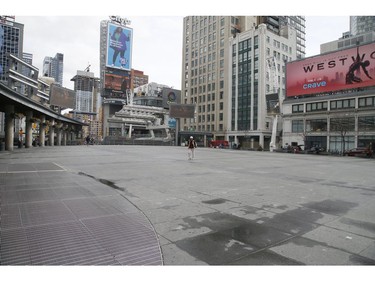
(342, 125)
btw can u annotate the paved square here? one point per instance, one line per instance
(226, 207)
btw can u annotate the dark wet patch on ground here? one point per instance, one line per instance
(228, 245)
(265, 257)
(333, 207)
(360, 224)
(359, 260)
(215, 201)
(236, 240)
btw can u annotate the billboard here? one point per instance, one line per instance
(341, 70)
(119, 46)
(116, 82)
(62, 97)
(170, 96)
(181, 110)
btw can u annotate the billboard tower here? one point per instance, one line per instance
(115, 57)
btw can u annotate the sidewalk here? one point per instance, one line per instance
(150, 205)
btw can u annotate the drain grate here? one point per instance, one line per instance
(58, 218)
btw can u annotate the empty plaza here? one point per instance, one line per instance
(225, 207)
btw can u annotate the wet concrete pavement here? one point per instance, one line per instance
(226, 207)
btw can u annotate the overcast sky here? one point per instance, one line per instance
(157, 34)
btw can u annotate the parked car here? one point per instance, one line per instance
(293, 148)
(359, 151)
(316, 149)
(219, 144)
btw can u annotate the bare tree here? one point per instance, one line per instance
(342, 125)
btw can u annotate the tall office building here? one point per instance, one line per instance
(54, 67)
(277, 23)
(211, 59)
(11, 42)
(361, 24)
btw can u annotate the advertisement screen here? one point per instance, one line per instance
(181, 110)
(119, 46)
(170, 96)
(341, 70)
(61, 96)
(116, 82)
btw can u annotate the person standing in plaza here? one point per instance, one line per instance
(191, 146)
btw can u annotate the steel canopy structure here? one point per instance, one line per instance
(12, 104)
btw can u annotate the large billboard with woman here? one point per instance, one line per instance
(341, 70)
(119, 46)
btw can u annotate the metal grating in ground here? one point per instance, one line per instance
(32, 167)
(120, 234)
(59, 218)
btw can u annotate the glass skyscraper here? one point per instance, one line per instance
(54, 67)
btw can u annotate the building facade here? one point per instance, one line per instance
(361, 24)
(137, 78)
(11, 42)
(88, 101)
(207, 68)
(331, 101)
(257, 64)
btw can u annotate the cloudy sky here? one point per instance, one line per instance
(157, 34)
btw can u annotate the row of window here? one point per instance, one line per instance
(201, 128)
(202, 89)
(334, 105)
(339, 124)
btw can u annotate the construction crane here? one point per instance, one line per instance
(87, 69)
(274, 88)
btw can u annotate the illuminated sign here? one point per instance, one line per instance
(341, 70)
(119, 47)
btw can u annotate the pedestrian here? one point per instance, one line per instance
(191, 146)
(87, 140)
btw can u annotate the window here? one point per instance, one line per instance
(297, 126)
(366, 123)
(316, 125)
(340, 104)
(343, 124)
(297, 108)
(366, 102)
(316, 106)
